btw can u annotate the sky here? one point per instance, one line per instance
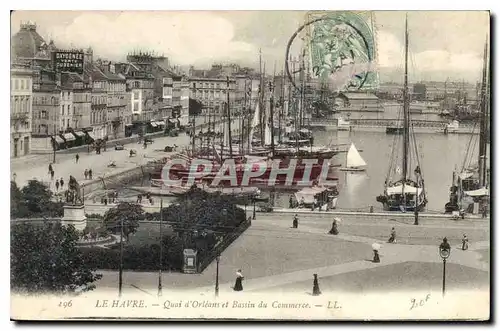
(443, 44)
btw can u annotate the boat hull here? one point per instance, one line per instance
(394, 130)
(352, 169)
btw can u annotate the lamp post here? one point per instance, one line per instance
(120, 272)
(416, 208)
(253, 200)
(217, 258)
(444, 252)
(161, 250)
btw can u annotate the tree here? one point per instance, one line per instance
(130, 213)
(36, 196)
(33, 200)
(45, 259)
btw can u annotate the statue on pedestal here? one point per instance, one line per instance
(73, 195)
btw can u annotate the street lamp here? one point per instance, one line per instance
(161, 250)
(444, 252)
(253, 200)
(217, 258)
(120, 272)
(416, 208)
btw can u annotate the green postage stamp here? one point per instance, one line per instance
(343, 50)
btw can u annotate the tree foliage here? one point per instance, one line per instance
(130, 213)
(198, 210)
(33, 200)
(45, 259)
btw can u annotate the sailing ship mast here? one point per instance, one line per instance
(271, 109)
(406, 118)
(482, 135)
(229, 121)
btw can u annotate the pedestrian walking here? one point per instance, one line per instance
(52, 175)
(50, 168)
(77, 157)
(465, 243)
(57, 186)
(61, 182)
(316, 290)
(238, 285)
(484, 213)
(90, 173)
(139, 198)
(86, 173)
(295, 223)
(392, 238)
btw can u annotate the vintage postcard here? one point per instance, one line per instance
(250, 165)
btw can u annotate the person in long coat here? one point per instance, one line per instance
(295, 223)
(316, 290)
(392, 238)
(238, 285)
(334, 230)
(465, 243)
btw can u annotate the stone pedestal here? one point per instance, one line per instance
(75, 215)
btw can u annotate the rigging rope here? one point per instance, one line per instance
(469, 151)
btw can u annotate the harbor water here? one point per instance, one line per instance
(440, 154)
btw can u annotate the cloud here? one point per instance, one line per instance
(429, 62)
(186, 38)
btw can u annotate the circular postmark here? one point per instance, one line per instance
(342, 50)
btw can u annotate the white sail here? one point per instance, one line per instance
(226, 134)
(267, 135)
(255, 123)
(354, 159)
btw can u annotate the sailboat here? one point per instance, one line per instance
(354, 161)
(470, 187)
(402, 191)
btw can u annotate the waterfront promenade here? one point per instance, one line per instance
(36, 167)
(276, 258)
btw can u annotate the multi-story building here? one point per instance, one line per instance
(46, 104)
(212, 93)
(117, 100)
(20, 110)
(98, 104)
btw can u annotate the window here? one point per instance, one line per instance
(67, 123)
(16, 85)
(62, 110)
(43, 114)
(69, 111)
(22, 84)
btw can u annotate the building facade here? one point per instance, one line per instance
(21, 95)
(212, 93)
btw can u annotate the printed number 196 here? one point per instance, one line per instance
(65, 304)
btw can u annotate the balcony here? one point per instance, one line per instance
(19, 117)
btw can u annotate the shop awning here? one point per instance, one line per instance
(161, 123)
(154, 124)
(172, 120)
(80, 133)
(128, 125)
(90, 135)
(477, 193)
(69, 137)
(58, 139)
